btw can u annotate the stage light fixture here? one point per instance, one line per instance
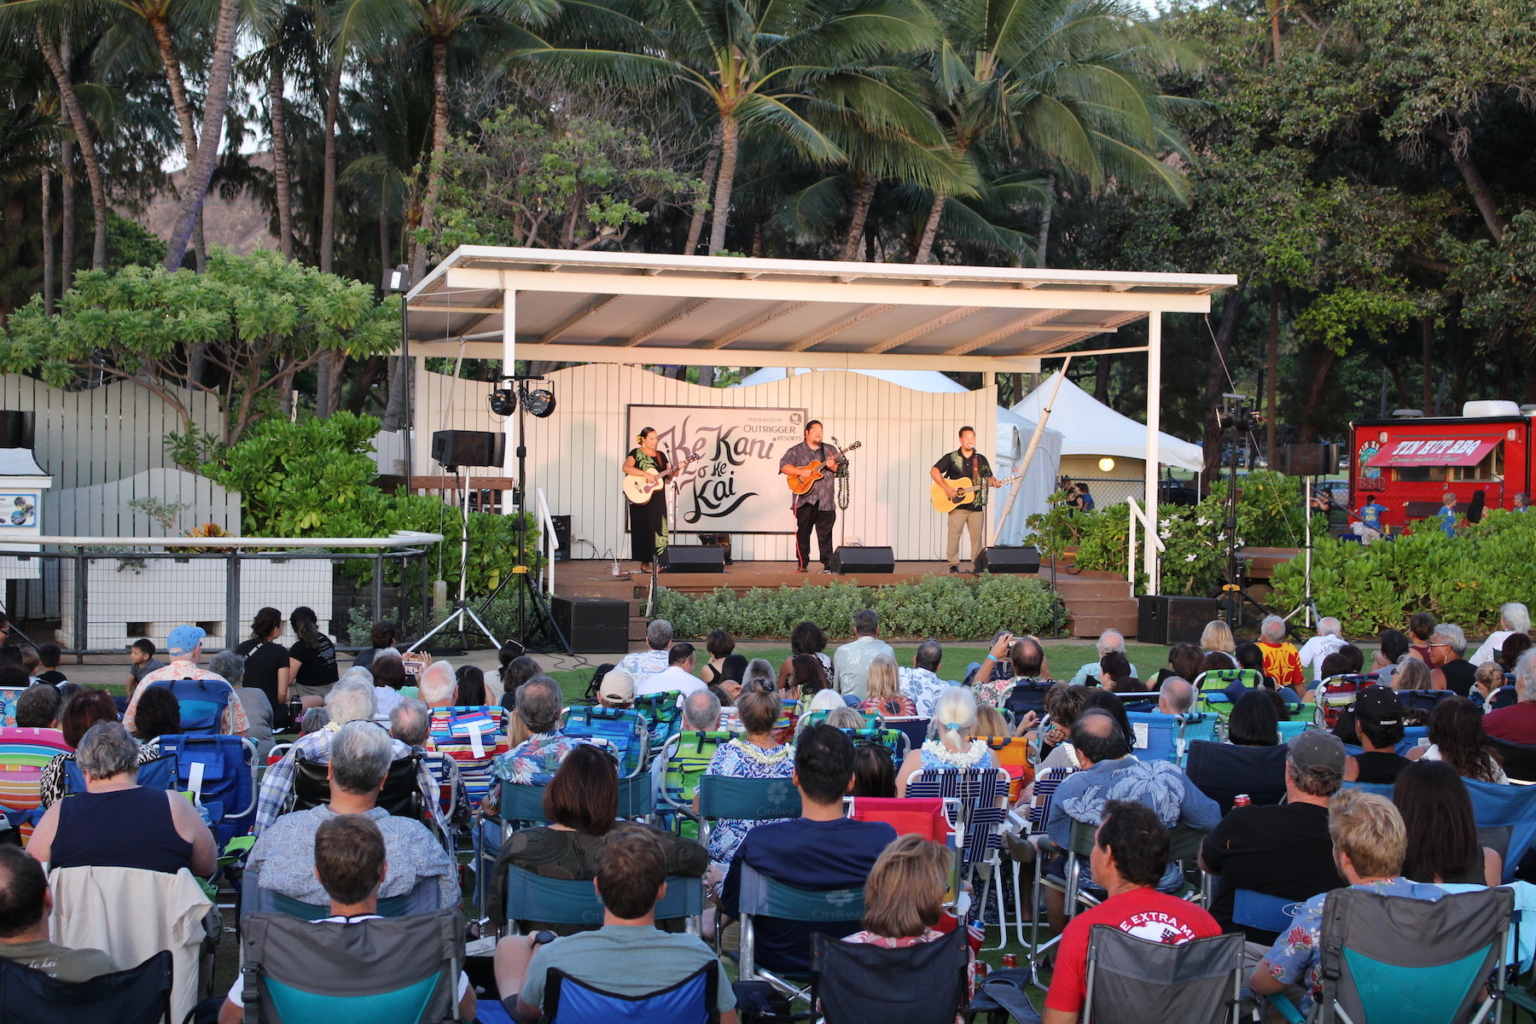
(503, 401)
(539, 402)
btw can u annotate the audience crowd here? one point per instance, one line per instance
(403, 792)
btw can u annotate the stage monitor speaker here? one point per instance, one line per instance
(1173, 620)
(863, 560)
(1008, 559)
(1309, 459)
(562, 537)
(473, 448)
(593, 625)
(693, 558)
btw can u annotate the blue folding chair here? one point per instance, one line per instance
(1154, 736)
(202, 703)
(1423, 700)
(568, 1000)
(622, 730)
(157, 774)
(836, 912)
(139, 995)
(914, 729)
(9, 695)
(220, 771)
(663, 716)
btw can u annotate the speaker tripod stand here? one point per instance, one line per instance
(461, 609)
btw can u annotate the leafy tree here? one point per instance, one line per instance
(259, 318)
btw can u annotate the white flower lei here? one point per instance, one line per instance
(943, 754)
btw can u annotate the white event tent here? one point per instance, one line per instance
(1012, 438)
(1091, 428)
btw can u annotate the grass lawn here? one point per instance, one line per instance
(1062, 657)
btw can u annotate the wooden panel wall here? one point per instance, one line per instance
(575, 454)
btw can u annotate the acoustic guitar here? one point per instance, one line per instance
(941, 502)
(799, 485)
(638, 489)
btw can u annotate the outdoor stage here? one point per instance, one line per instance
(1095, 600)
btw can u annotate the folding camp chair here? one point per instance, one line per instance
(24, 753)
(663, 714)
(1027, 695)
(1035, 817)
(401, 794)
(1396, 958)
(1423, 700)
(422, 899)
(914, 729)
(473, 737)
(220, 772)
(918, 984)
(1183, 845)
(725, 796)
(1336, 695)
(907, 815)
(834, 911)
(892, 740)
(157, 774)
(397, 970)
(1519, 759)
(1220, 688)
(139, 995)
(1012, 753)
(9, 695)
(1222, 771)
(568, 1000)
(622, 730)
(979, 796)
(1155, 737)
(872, 720)
(531, 897)
(203, 702)
(1139, 981)
(1513, 808)
(1502, 697)
(1289, 730)
(684, 761)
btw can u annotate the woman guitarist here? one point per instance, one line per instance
(648, 521)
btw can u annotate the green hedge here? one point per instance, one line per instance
(1461, 579)
(943, 607)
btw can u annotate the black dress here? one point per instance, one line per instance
(648, 522)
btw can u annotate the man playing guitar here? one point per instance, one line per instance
(817, 507)
(970, 468)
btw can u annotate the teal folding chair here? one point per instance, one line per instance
(763, 897)
(725, 796)
(531, 897)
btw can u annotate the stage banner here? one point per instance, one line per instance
(734, 486)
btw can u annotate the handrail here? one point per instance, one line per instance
(398, 539)
(1133, 515)
(547, 527)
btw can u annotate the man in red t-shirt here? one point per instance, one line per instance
(1130, 852)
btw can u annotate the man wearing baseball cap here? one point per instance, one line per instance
(184, 646)
(1282, 849)
(1379, 722)
(617, 689)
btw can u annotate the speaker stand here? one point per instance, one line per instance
(461, 609)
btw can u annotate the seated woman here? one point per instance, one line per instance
(1253, 722)
(904, 900)
(721, 645)
(954, 719)
(824, 700)
(1442, 835)
(874, 773)
(471, 686)
(806, 639)
(755, 755)
(159, 715)
(1456, 737)
(84, 710)
(882, 690)
(582, 804)
(117, 823)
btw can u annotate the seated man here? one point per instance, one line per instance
(678, 675)
(658, 637)
(1517, 723)
(1130, 853)
(348, 857)
(185, 647)
(533, 761)
(629, 956)
(410, 722)
(1110, 640)
(1281, 850)
(1176, 697)
(921, 682)
(359, 761)
(1379, 723)
(1369, 842)
(349, 700)
(1110, 772)
(40, 707)
(617, 690)
(1282, 661)
(25, 907)
(820, 850)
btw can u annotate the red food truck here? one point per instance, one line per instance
(1407, 464)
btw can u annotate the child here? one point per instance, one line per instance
(30, 661)
(141, 662)
(48, 657)
(1448, 514)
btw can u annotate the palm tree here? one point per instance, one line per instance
(770, 65)
(1062, 85)
(200, 169)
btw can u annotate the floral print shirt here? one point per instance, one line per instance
(534, 761)
(743, 759)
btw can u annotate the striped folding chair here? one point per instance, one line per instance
(23, 755)
(980, 796)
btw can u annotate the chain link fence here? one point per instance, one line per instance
(98, 600)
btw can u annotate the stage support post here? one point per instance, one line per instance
(1154, 425)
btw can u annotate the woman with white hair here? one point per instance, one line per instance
(1514, 617)
(949, 744)
(825, 700)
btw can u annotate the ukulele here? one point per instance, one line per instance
(799, 485)
(941, 502)
(638, 489)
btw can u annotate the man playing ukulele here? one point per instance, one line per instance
(969, 466)
(817, 507)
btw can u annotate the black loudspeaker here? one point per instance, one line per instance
(1309, 459)
(863, 560)
(1024, 559)
(593, 625)
(479, 448)
(16, 429)
(1173, 620)
(693, 558)
(562, 538)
